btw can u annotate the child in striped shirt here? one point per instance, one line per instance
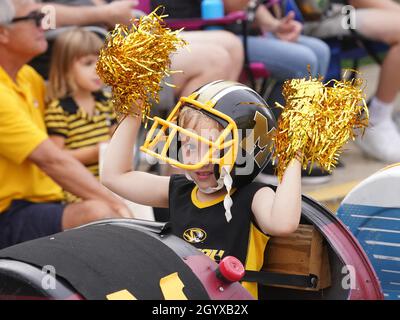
(79, 116)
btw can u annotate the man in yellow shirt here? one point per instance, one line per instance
(32, 168)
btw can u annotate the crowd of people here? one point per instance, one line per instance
(52, 125)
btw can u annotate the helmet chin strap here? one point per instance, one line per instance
(224, 180)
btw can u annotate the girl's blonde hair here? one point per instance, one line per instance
(68, 47)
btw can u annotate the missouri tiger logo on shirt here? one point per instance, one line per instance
(194, 235)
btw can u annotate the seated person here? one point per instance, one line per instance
(98, 13)
(375, 20)
(279, 44)
(221, 52)
(79, 116)
(32, 167)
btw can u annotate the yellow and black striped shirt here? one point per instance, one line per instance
(63, 117)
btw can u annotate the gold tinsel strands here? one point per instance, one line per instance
(134, 60)
(317, 120)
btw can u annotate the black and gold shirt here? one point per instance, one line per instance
(203, 224)
(63, 117)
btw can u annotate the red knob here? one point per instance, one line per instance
(230, 269)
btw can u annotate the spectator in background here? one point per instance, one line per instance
(375, 20)
(80, 115)
(211, 56)
(79, 13)
(279, 44)
(30, 163)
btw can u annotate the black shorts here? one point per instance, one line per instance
(25, 220)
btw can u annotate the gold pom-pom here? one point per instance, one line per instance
(317, 120)
(134, 60)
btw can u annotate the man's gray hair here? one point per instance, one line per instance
(7, 11)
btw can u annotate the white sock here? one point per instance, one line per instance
(380, 111)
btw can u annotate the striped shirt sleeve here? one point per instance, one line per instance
(107, 107)
(56, 120)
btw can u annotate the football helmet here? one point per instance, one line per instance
(244, 144)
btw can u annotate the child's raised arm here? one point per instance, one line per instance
(118, 172)
(278, 213)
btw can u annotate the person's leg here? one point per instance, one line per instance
(382, 139)
(200, 66)
(285, 60)
(24, 221)
(383, 25)
(227, 40)
(321, 51)
(80, 213)
(205, 61)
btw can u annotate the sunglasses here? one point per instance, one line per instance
(35, 16)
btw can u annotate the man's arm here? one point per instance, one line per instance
(70, 174)
(109, 14)
(21, 139)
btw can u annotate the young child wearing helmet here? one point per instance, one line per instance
(221, 136)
